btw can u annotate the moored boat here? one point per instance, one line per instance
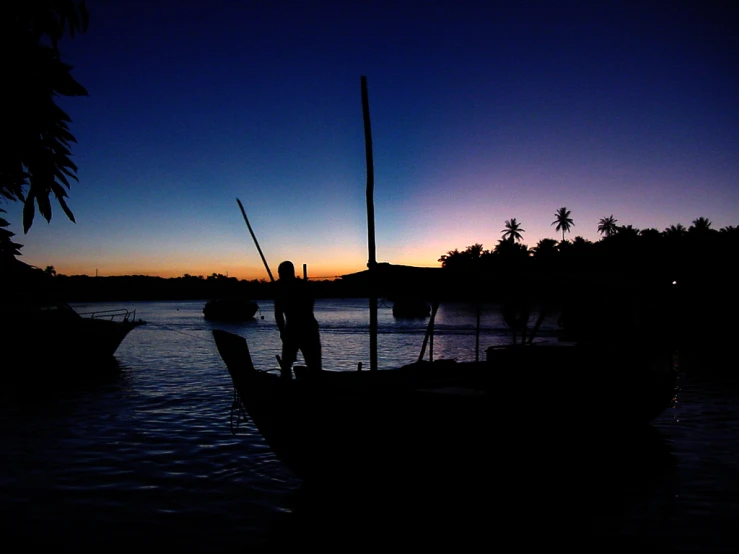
(42, 333)
(230, 309)
(409, 307)
(428, 415)
(57, 335)
(324, 423)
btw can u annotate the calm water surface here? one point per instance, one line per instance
(147, 454)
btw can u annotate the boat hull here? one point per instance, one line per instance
(230, 309)
(425, 417)
(601, 388)
(46, 345)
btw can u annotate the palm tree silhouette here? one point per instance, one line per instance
(628, 231)
(563, 221)
(675, 231)
(513, 230)
(545, 248)
(700, 225)
(607, 226)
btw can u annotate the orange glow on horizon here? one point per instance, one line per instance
(248, 273)
(323, 272)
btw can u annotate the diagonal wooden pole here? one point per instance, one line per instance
(271, 278)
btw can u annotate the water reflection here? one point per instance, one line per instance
(144, 452)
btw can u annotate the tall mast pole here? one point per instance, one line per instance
(372, 263)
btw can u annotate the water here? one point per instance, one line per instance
(146, 456)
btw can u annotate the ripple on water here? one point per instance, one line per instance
(146, 454)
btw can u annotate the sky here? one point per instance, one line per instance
(481, 111)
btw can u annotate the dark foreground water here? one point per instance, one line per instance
(144, 458)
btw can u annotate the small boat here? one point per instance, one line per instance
(409, 307)
(230, 309)
(44, 333)
(59, 334)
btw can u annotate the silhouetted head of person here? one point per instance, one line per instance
(286, 271)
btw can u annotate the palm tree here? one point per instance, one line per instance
(675, 231)
(474, 251)
(545, 248)
(563, 221)
(510, 249)
(607, 226)
(628, 232)
(449, 258)
(50, 271)
(650, 233)
(513, 230)
(454, 259)
(581, 243)
(701, 225)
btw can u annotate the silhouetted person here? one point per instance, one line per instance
(295, 319)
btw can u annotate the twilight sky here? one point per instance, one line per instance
(481, 111)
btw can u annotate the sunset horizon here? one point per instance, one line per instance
(480, 113)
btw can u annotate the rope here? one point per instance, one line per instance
(237, 406)
(168, 328)
(240, 412)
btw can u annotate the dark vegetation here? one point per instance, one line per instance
(81, 288)
(36, 158)
(679, 283)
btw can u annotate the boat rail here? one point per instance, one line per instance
(120, 314)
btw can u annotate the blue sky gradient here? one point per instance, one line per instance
(481, 111)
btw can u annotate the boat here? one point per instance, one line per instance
(428, 416)
(409, 307)
(230, 309)
(59, 334)
(325, 423)
(43, 332)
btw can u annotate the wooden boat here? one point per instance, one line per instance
(325, 423)
(427, 416)
(230, 309)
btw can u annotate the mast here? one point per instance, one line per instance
(372, 263)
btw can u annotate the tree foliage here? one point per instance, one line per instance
(563, 221)
(701, 226)
(513, 230)
(35, 162)
(467, 259)
(8, 248)
(607, 226)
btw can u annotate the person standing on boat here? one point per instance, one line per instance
(295, 319)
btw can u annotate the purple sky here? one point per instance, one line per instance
(481, 111)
